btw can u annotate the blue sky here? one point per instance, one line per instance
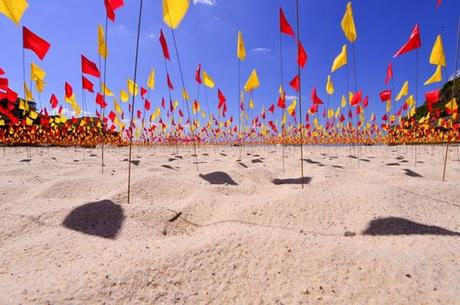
(207, 35)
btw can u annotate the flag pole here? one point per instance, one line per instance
(132, 101)
(416, 98)
(453, 93)
(282, 93)
(356, 89)
(300, 99)
(103, 93)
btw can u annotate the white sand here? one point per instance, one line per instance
(250, 243)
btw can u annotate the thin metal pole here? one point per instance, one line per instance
(300, 99)
(132, 101)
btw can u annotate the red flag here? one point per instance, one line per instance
(164, 46)
(281, 102)
(168, 80)
(54, 101)
(272, 108)
(315, 99)
(432, 97)
(111, 6)
(438, 3)
(143, 92)
(86, 84)
(89, 67)
(389, 75)
(198, 74)
(357, 98)
(222, 99)
(385, 95)
(68, 90)
(34, 43)
(147, 105)
(11, 95)
(295, 83)
(1, 71)
(366, 101)
(100, 100)
(139, 114)
(163, 103)
(413, 43)
(301, 55)
(112, 116)
(284, 25)
(3, 84)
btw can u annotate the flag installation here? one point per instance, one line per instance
(160, 117)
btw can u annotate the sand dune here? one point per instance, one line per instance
(239, 231)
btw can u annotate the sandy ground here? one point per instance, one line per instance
(384, 233)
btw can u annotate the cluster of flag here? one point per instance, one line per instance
(168, 121)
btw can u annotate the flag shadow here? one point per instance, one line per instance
(306, 180)
(401, 226)
(102, 218)
(218, 178)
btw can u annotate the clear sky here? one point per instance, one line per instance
(208, 33)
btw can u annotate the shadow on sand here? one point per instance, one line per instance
(102, 218)
(411, 173)
(218, 178)
(401, 226)
(306, 180)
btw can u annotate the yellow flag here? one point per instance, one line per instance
(251, 103)
(343, 102)
(411, 112)
(337, 112)
(348, 24)
(452, 106)
(388, 108)
(241, 51)
(283, 120)
(291, 108)
(185, 95)
(151, 80)
(29, 96)
(106, 90)
(436, 77)
(36, 72)
(40, 84)
(124, 96)
(341, 59)
(174, 11)
(350, 96)
(410, 100)
(133, 89)
(102, 46)
(253, 82)
(404, 90)
(117, 106)
(437, 56)
(329, 86)
(207, 80)
(13, 9)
